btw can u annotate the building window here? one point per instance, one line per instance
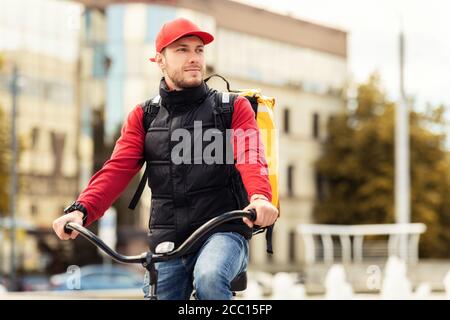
(286, 120)
(290, 181)
(292, 246)
(330, 119)
(34, 137)
(320, 186)
(316, 125)
(34, 210)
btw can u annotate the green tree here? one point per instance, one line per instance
(4, 158)
(357, 166)
(4, 163)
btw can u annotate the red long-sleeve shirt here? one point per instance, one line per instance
(128, 157)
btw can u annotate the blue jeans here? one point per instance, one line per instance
(210, 270)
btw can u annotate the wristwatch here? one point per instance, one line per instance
(77, 206)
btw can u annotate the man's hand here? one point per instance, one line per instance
(58, 224)
(266, 213)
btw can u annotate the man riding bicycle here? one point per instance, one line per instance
(187, 194)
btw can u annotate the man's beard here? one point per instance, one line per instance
(179, 81)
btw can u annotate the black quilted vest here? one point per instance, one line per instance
(186, 195)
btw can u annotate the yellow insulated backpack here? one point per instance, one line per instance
(264, 113)
(263, 108)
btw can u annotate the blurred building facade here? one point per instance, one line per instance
(302, 64)
(44, 47)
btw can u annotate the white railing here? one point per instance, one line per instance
(351, 238)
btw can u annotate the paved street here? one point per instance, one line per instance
(136, 295)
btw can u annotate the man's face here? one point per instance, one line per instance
(183, 62)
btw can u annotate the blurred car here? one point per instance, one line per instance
(34, 283)
(27, 282)
(97, 277)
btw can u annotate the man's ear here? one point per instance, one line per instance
(160, 60)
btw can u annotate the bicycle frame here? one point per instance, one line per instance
(148, 259)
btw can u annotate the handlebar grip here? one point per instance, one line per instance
(66, 229)
(252, 214)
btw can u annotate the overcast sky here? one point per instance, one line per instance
(373, 28)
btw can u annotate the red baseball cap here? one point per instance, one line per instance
(174, 30)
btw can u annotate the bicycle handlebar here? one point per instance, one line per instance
(180, 251)
(99, 243)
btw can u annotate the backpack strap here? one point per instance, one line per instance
(224, 110)
(269, 232)
(225, 80)
(151, 109)
(223, 114)
(254, 103)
